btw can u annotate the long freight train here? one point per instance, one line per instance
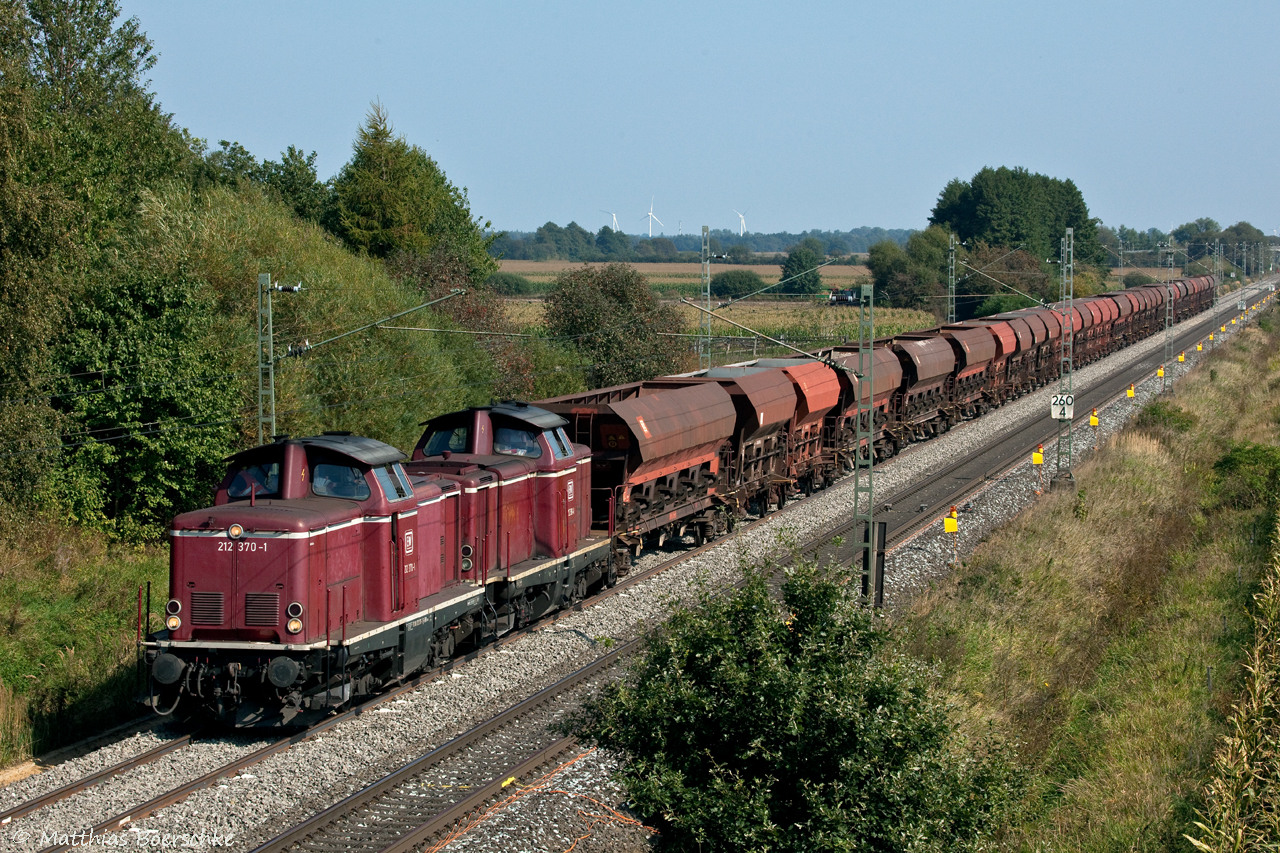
(331, 566)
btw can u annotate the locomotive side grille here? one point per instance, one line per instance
(206, 608)
(262, 609)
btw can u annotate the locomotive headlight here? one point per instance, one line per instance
(173, 623)
(174, 607)
(294, 625)
(235, 531)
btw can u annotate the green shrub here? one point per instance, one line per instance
(749, 725)
(510, 284)
(732, 284)
(1137, 279)
(1165, 415)
(1248, 475)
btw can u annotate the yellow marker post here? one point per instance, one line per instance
(1093, 419)
(1200, 344)
(1130, 391)
(1224, 328)
(952, 526)
(1037, 465)
(1182, 356)
(1160, 372)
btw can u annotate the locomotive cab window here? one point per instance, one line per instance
(453, 439)
(560, 446)
(262, 480)
(330, 480)
(511, 441)
(393, 481)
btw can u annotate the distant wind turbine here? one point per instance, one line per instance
(742, 223)
(652, 218)
(614, 215)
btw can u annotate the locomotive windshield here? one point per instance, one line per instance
(330, 480)
(262, 480)
(511, 441)
(454, 440)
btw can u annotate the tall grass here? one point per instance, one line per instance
(68, 602)
(1242, 810)
(1105, 629)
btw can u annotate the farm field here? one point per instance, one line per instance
(810, 320)
(686, 277)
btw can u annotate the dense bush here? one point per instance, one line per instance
(733, 284)
(613, 319)
(509, 284)
(753, 725)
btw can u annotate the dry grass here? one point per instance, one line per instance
(15, 727)
(1090, 628)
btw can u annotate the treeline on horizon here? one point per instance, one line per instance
(572, 242)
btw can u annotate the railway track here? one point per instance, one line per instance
(423, 799)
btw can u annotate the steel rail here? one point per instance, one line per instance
(361, 799)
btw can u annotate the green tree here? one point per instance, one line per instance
(800, 270)
(749, 725)
(888, 264)
(1197, 237)
(294, 180)
(733, 284)
(613, 245)
(232, 164)
(615, 322)
(36, 226)
(80, 141)
(739, 253)
(144, 386)
(393, 197)
(1016, 208)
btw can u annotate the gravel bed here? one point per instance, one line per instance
(575, 802)
(78, 812)
(241, 812)
(74, 769)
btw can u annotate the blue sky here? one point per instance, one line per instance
(824, 115)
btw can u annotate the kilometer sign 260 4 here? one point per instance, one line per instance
(1063, 407)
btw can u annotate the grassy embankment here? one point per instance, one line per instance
(67, 649)
(1105, 630)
